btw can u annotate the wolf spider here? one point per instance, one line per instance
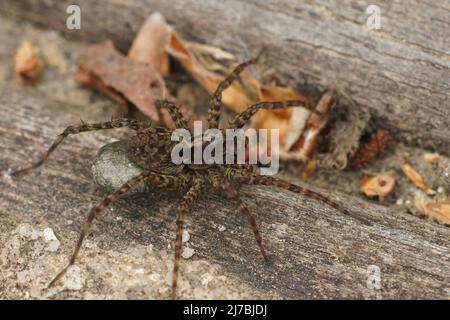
(150, 149)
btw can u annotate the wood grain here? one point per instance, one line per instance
(314, 251)
(400, 73)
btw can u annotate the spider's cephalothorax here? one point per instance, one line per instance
(151, 149)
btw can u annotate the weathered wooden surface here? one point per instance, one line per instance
(401, 73)
(314, 251)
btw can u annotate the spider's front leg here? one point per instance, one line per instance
(216, 101)
(241, 119)
(71, 130)
(174, 111)
(157, 180)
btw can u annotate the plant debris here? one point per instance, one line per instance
(299, 130)
(432, 158)
(148, 45)
(436, 209)
(28, 63)
(415, 177)
(105, 69)
(379, 185)
(209, 66)
(370, 151)
(342, 138)
(307, 143)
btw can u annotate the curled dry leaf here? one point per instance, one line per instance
(305, 146)
(149, 44)
(370, 151)
(437, 209)
(138, 83)
(235, 96)
(28, 64)
(415, 177)
(379, 185)
(95, 83)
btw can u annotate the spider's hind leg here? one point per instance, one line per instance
(190, 196)
(71, 130)
(275, 182)
(233, 194)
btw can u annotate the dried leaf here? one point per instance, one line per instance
(149, 46)
(28, 64)
(437, 209)
(138, 83)
(296, 125)
(210, 65)
(235, 96)
(379, 185)
(311, 167)
(306, 145)
(370, 151)
(415, 177)
(95, 83)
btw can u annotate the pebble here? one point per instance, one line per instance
(49, 235)
(186, 236)
(25, 230)
(73, 278)
(35, 292)
(222, 228)
(187, 253)
(22, 276)
(53, 246)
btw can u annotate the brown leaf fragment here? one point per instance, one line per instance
(415, 177)
(149, 45)
(437, 209)
(379, 185)
(96, 84)
(140, 84)
(28, 64)
(310, 168)
(371, 150)
(235, 96)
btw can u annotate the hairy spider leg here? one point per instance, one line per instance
(271, 181)
(71, 130)
(215, 103)
(157, 180)
(190, 196)
(232, 193)
(174, 111)
(241, 119)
